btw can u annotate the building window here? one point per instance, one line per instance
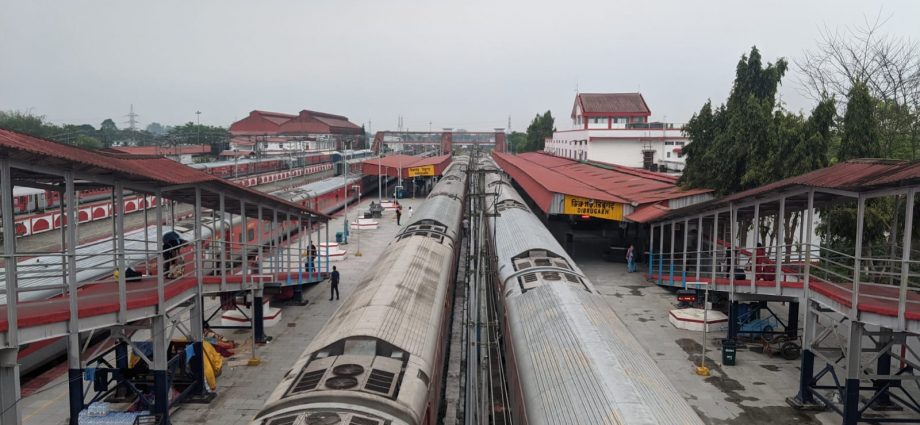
(600, 120)
(669, 154)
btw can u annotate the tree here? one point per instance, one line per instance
(192, 134)
(27, 123)
(88, 142)
(156, 129)
(517, 141)
(889, 68)
(539, 129)
(734, 142)
(860, 136)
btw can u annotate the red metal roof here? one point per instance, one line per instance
(603, 181)
(860, 175)
(389, 165)
(164, 150)
(133, 170)
(648, 213)
(612, 103)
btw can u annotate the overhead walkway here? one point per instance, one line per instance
(66, 294)
(861, 286)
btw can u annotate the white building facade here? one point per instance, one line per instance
(614, 128)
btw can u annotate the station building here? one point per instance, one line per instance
(277, 133)
(614, 128)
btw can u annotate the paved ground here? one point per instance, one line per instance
(751, 392)
(242, 390)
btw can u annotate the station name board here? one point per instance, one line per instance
(425, 170)
(601, 209)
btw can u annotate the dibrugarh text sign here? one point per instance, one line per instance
(592, 207)
(425, 170)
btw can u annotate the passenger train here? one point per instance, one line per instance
(572, 360)
(378, 360)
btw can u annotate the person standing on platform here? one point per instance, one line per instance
(398, 214)
(410, 211)
(631, 259)
(334, 279)
(311, 258)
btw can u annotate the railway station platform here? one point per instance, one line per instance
(138, 284)
(840, 240)
(243, 389)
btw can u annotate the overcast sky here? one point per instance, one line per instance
(464, 64)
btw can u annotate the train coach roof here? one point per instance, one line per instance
(43, 162)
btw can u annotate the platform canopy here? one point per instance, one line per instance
(42, 164)
(564, 186)
(406, 166)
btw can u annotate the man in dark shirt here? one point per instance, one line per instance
(335, 284)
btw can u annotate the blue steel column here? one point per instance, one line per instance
(9, 366)
(683, 269)
(660, 253)
(74, 373)
(651, 250)
(732, 302)
(671, 262)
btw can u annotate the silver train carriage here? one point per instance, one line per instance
(377, 361)
(572, 360)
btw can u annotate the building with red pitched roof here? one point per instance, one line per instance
(614, 128)
(280, 133)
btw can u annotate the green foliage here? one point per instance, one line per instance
(539, 129)
(860, 128)
(194, 134)
(88, 142)
(22, 122)
(517, 141)
(749, 141)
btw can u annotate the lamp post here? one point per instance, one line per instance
(198, 121)
(379, 179)
(357, 218)
(345, 174)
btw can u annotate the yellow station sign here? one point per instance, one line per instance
(592, 207)
(425, 170)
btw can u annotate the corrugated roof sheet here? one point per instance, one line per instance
(648, 213)
(132, 170)
(859, 175)
(602, 182)
(164, 150)
(615, 103)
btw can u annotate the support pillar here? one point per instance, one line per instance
(732, 320)
(9, 386)
(196, 314)
(792, 322)
(258, 316)
(74, 372)
(121, 363)
(883, 367)
(851, 389)
(160, 377)
(805, 400)
(9, 367)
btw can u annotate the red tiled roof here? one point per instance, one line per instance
(612, 103)
(133, 170)
(164, 150)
